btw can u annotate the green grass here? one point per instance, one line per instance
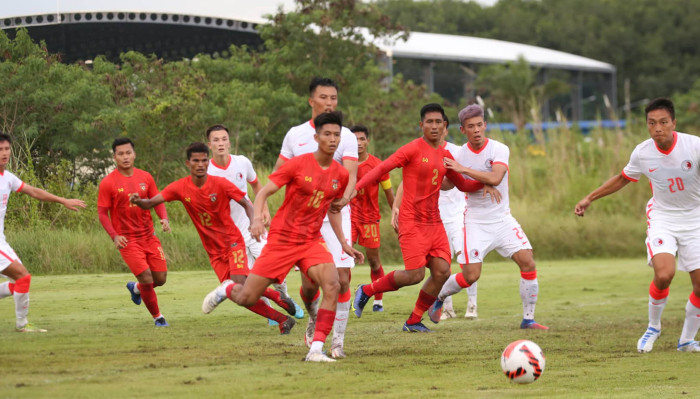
(101, 345)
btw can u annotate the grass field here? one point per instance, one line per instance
(100, 345)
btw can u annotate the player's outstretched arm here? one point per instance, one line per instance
(43, 195)
(146, 203)
(336, 221)
(464, 185)
(257, 186)
(257, 225)
(395, 208)
(611, 186)
(494, 177)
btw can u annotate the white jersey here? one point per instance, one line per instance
(240, 172)
(8, 183)
(480, 208)
(452, 202)
(674, 177)
(299, 140)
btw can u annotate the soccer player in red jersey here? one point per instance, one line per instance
(131, 228)
(422, 236)
(313, 181)
(206, 199)
(10, 264)
(365, 210)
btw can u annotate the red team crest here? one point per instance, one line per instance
(658, 242)
(212, 197)
(475, 253)
(142, 186)
(335, 184)
(687, 165)
(489, 163)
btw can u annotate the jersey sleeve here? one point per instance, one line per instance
(633, 170)
(286, 152)
(349, 143)
(231, 190)
(284, 174)
(152, 192)
(104, 194)
(250, 174)
(464, 185)
(172, 192)
(501, 155)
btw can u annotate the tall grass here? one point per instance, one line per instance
(548, 176)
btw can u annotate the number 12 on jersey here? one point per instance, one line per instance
(315, 200)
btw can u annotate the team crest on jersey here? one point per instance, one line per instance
(687, 165)
(474, 253)
(335, 184)
(239, 176)
(143, 186)
(658, 242)
(489, 163)
(212, 197)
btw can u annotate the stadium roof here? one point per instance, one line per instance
(427, 46)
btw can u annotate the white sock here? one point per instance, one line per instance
(221, 289)
(656, 308)
(692, 323)
(281, 288)
(340, 323)
(316, 347)
(450, 287)
(21, 308)
(378, 302)
(5, 289)
(529, 289)
(447, 305)
(471, 293)
(137, 291)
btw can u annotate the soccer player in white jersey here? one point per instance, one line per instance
(299, 140)
(670, 161)
(10, 265)
(239, 170)
(488, 225)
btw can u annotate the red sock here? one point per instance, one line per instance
(306, 300)
(694, 300)
(276, 297)
(461, 281)
(384, 284)
(324, 324)
(148, 294)
(22, 284)
(422, 304)
(376, 276)
(267, 312)
(11, 287)
(345, 296)
(657, 293)
(529, 275)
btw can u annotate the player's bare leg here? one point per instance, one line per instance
(664, 265)
(145, 290)
(341, 315)
(439, 272)
(324, 275)
(22, 280)
(311, 296)
(376, 272)
(529, 288)
(247, 291)
(391, 282)
(687, 342)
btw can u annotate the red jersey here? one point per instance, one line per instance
(127, 219)
(310, 191)
(365, 205)
(209, 210)
(423, 172)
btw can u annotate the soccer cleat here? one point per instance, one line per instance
(272, 323)
(528, 324)
(435, 311)
(318, 357)
(160, 322)
(211, 301)
(310, 330)
(418, 327)
(136, 298)
(377, 308)
(471, 312)
(287, 326)
(299, 312)
(358, 304)
(337, 352)
(289, 305)
(646, 343)
(690, 346)
(31, 328)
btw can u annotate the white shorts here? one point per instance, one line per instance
(7, 255)
(455, 235)
(340, 258)
(505, 236)
(672, 238)
(252, 247)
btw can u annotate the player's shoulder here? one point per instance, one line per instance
(142, 174)
(497, 145)
(300, 129)
(372, 160)
(345, 132)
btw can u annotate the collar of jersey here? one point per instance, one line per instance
(675, 140)
(311, 122)
(486, 142)
(222, 167)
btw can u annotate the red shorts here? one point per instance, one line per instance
(420, 243)
(143, 254)
(276, 260)
(366, 234)
(232, 262)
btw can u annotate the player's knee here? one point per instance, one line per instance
(663, 278)
(374, 264)
(471, 277)
(416, 276)
(331, 288)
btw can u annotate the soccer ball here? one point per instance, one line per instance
(522, 361)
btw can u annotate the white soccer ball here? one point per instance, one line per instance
(523, 361)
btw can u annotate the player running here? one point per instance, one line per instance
(10, 264)
(206, 199)
(299, 140)
(313, 181)
(365, 210)
(239, 170)
(131, 228)
(488, 225)
(670, 161)
(421, 234)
